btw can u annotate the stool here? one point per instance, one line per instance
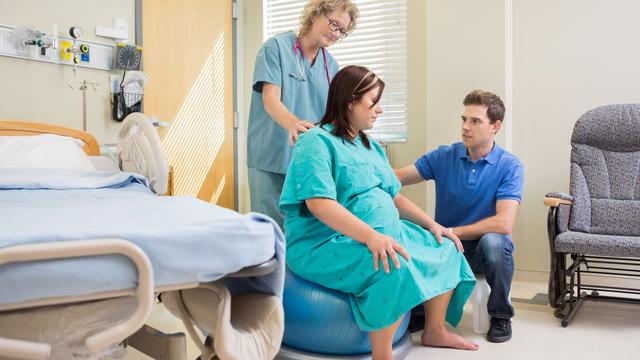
(479, 298)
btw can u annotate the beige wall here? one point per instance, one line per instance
(549, 60)
(38, 91)
(456, 63)
(585, 55)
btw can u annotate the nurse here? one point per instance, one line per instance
(290, 84)
(348, 228)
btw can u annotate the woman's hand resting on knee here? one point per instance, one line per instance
(382, 247)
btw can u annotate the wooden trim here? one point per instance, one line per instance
(555, 202)
(25, 128)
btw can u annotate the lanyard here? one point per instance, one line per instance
(298, 46)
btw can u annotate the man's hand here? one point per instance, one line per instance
(438, 231)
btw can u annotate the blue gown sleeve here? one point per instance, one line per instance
(390, 182)
(312, 168)
(394, 186)
(309, 174)
(267, 67)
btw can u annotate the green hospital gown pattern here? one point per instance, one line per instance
(361, 180)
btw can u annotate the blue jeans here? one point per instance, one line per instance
(492, 256)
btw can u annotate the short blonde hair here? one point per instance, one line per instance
(320, 7)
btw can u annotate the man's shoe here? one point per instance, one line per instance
(500, 330)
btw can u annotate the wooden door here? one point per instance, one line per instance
(187, 53)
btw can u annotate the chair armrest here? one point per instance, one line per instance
(557, 222)
(554, 199)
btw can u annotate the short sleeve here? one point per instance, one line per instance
(390, 182)
(312, 168)
(427, 163)
(394, 186)
(512, 182)
(267, 67)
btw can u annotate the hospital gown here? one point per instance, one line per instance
(361, 180)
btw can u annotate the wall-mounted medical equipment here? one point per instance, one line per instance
(127, 57)
(77, 52)
(127, 98)
(29, 38)
(31, 43)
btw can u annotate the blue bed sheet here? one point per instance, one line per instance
(187, 240)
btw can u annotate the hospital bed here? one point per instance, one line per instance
(85, 253)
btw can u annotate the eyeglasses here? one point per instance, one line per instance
(335, 27)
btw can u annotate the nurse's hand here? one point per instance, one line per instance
(382, 247)
(438, 231)
(298, 127)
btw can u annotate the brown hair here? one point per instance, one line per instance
(347, 87)
(319, 7)
(495, 106)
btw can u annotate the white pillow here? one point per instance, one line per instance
(103, 163)
(43, 151)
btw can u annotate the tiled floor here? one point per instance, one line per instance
(599, 331)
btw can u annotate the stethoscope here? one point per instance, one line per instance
(300, 74)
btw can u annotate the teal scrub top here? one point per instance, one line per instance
(304, 96)
(361, 180)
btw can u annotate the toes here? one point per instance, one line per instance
(472, 346)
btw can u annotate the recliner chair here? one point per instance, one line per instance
(598, 224)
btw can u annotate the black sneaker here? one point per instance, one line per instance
(499, 331)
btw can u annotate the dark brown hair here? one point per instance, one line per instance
(495, 106)
(347, 87)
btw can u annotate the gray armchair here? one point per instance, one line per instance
(598, 225)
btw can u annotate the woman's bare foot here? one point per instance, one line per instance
(444, 338)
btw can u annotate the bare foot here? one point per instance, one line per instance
(447, 339)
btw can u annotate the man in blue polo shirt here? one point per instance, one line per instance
(478, 190)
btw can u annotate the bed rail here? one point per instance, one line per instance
(78, 248)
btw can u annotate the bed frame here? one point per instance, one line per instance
(133, 331)
(24, 128)
(71, 249)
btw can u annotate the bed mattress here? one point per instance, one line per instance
(187, 240)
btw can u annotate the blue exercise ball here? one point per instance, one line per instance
(320, 320)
